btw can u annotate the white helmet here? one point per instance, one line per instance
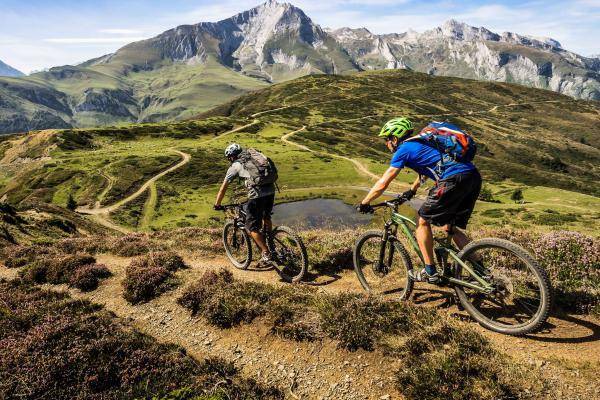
(233, 150)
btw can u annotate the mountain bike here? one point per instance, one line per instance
(288, 252)
(497, 282)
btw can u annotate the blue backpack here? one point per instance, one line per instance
(455, 145)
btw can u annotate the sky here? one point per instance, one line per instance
(38, 34)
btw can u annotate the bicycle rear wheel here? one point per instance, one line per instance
(522, 293)
(388, 276)
(289, 253)
(238, 246)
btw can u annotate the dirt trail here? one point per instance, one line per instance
(317, 370)
(149, 207)
(185, 158)
(567, 349)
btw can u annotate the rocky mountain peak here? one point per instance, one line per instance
(351, 34)
(532, 41)
(461, 31)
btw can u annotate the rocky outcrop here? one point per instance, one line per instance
(257, 41)
(113, 102)
(38, 120)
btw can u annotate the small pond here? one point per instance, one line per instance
(321, 213)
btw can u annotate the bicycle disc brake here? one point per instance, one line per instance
(380, 269)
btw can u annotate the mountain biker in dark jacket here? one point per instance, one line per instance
(449, 203)
(259, 206)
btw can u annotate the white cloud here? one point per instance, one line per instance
(96, 40)
(120, 31)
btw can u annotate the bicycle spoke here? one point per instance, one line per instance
(386, 275)
(516, 298)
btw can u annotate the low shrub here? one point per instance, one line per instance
(90, 245)
(87, 277)
(166, 259)
(204, 241)
(443, 359)
(19, 255)
(55, 269)
(330, 251)
(572, 261)
(150, 275)
(131, 245)
(54, 347)
(223, 301)
(299, 313)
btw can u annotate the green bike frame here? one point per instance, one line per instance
(404, 223)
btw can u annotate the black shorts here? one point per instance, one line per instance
(452, 200)
(257, 210)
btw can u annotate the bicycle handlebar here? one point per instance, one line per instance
(231, 206)
(391, 203)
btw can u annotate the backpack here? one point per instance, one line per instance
(261, 168)
(456, 145)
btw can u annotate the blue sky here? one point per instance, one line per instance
(36, 34)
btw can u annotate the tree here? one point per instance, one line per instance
(517, 196)
(71, 203)
(486, 195)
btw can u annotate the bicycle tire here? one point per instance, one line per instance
(245, 262)
(405, 292)
(298, 273)
(545, 286)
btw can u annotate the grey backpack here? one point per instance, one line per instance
(261, 168)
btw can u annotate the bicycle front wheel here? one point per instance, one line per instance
(289, 253)
(237, 245)
(522, 295)
(387, 275)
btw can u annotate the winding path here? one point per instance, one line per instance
(360, 167)
(108, 209)
(100, 214)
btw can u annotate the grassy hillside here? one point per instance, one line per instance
(541, 143)
(534, 137)
(105, 94)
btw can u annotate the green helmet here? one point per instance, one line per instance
(399, 127)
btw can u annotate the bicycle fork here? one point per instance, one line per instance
(383, 267)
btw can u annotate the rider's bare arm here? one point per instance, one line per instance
(221, 193)
(381, 185)
(416, 184)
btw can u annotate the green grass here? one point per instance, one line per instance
(526, 147)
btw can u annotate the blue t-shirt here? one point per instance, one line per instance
(423, 160)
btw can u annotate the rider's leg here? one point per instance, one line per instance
(425, 239)
(259, 239)
(458, 236)
(268, 224)
(254, 223)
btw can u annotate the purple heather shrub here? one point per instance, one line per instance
(150, 275)
(87, 277)
(570, 256)
(54, 347)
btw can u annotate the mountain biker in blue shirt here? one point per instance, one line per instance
(449, 203)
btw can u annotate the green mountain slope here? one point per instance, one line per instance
(102, 95)
(532, 136)
(545, 144)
